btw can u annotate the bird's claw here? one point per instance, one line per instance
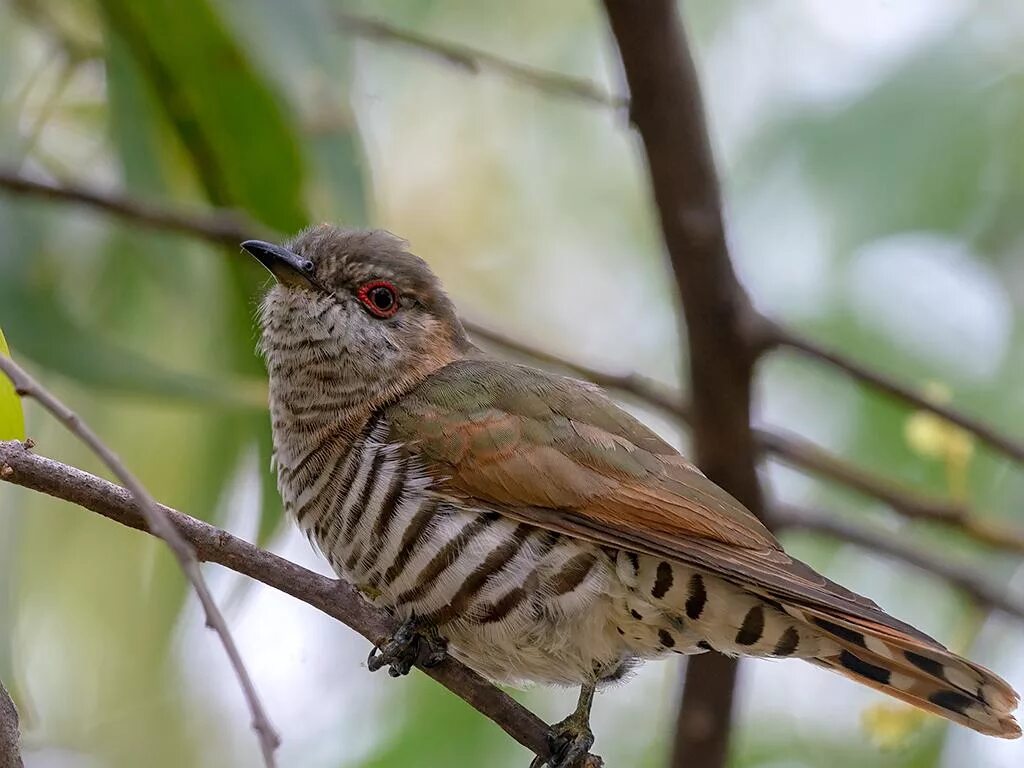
(570, 743)
(410, 645)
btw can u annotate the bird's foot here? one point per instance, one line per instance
(411, 644)
(570, 742)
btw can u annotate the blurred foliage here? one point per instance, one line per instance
(847, 133)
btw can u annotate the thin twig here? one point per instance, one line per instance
(784, 337)
(10, 733)
(474, 60)
(161, 526)
(335, 598)
(811, 458)
(224, 227)
(981, 591)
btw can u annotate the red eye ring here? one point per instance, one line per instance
(380, 297)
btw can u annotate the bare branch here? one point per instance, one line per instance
(666, 108)
(962, 577)
(335, 598)
(804, 454)
(474, 60)
(10, 735)
(161, 526)
(224, 227)
(779, 336)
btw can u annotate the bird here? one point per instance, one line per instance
(523, 523)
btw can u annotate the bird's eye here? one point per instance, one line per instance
(306, 266)
(380, 297)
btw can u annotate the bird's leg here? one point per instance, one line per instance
(412, 643)
(571, 739)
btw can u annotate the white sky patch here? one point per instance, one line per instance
(780, 237)
(935, 299)
(778, 53)
(308, 669)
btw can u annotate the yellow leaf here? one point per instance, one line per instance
(12, 421)
(933, 437)
(890, 726)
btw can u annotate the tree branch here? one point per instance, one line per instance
(10, 736)
(666, 108)
(474, 60)
(776, 335)
(224, 227)
(962, 577)
(336, 598)
(161, 527)
(906, 501)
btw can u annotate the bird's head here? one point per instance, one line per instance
(354, 307)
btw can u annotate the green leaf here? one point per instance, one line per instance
(12, 420)
(51, 337)
(230, 122)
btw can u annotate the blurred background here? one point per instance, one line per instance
(872, 156)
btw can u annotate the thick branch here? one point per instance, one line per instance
(666, 108)
(962, 577)
(335, 598)
(10, 735)
(777, 335)
(474, 60)
(161, 527)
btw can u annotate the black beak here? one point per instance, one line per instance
(289, 268)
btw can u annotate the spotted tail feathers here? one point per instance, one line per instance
(916, 671)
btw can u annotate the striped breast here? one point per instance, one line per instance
(516, 602)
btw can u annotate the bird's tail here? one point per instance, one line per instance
(915, 671)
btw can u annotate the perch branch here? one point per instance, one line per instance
(10, 735)
(474, 60)
(158, 522)
(335, 598)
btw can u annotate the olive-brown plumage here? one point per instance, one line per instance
(544, 532)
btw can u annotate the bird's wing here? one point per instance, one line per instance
(557, 453)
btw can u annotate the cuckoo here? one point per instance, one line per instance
(525, 524)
